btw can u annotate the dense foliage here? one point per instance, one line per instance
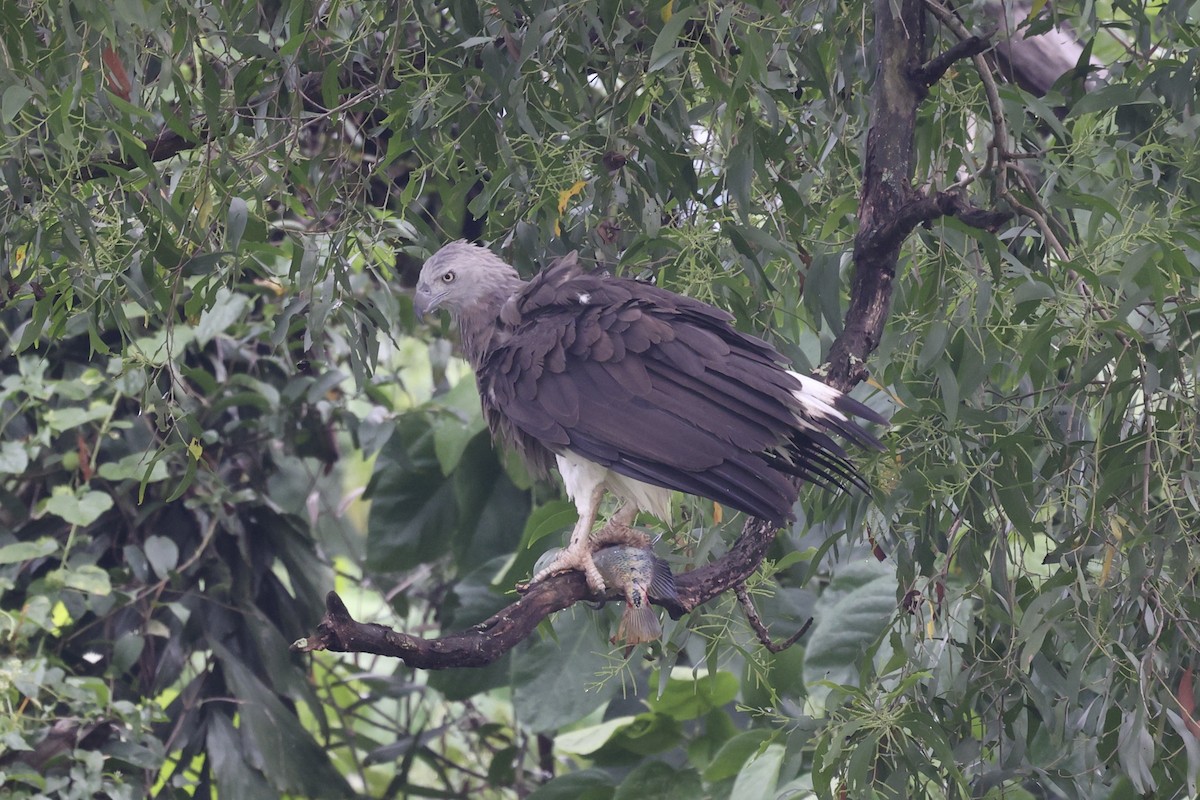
(207, 215)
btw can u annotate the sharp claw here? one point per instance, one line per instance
(579, 559)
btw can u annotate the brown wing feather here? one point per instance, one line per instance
(658, 387)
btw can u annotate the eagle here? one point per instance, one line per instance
(629, 388)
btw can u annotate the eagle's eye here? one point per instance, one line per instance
(447, 277)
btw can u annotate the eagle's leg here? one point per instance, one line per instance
(619, 531)
(578, 554)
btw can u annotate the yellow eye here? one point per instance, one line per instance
(448, 277)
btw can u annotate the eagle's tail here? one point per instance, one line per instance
(811, 452)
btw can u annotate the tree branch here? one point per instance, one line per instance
(887, 186)
(932, 71)
(492, 638)
(167, 144)
(760, 628)
(890, 208)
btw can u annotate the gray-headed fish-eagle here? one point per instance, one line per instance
(633, 389)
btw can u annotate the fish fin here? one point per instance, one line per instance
(662, 584)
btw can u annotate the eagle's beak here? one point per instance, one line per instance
(423, 302)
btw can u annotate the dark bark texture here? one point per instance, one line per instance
(492, 638)
(889, 207)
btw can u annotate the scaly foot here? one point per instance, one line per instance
(577, 556)
(614, 533)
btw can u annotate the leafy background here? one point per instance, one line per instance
(215, 404)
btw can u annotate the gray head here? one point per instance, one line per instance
(460, 276)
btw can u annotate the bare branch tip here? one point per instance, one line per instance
(760, 628)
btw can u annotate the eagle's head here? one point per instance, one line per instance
(462, 276)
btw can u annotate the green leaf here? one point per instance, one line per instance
(89, 579)
(583, 741)
(660, 781)
(235, 223)
(134, 466)
(1108, 97)
(273, 740)
(760, 775)
(689, 695)
(549, 518)
(17, 552)
(646, 735)
(454, 430)
(554, 681)
(162, 553)
(412, 503)
(14, 99)
(14, 458)
(860, 608)
(734, 754)
(126, 651)
(490, 507)
(64, 419)
(587, 784)
(665, 50)
(235, 778)
(78, 507)
(226, 309)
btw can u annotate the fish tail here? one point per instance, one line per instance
(639, 623)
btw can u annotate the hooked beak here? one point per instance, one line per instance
(423, 302)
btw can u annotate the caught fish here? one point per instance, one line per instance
(640, 575)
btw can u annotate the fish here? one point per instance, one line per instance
(640, 575)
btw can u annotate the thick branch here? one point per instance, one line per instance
(494, 637)
(887, 185)
(890, 209)
(167, 144)
(932, 71)
(920, 209)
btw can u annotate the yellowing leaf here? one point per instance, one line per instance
(195, 448)
(565, 196)
(669, 9)
(1038, 5)
(60, 616)
(270, 285)
(1115, 526)
(204, 206)
(876, 384)
(718, 513)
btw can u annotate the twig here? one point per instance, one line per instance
(760, 629)
(168, 143)
(1000, 137)
(1005, 161)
